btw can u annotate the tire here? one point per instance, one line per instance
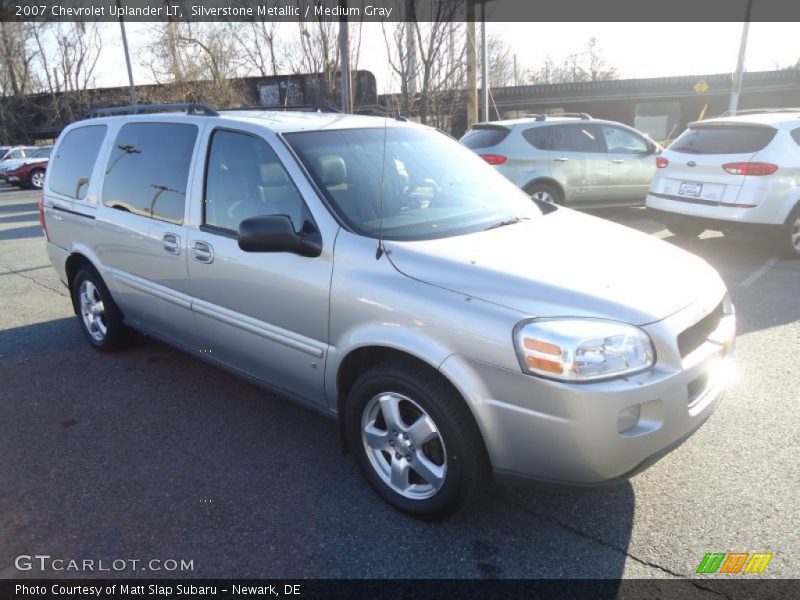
(100, 318)
(434, 478)
(684, 229)
(543, 192)
(790, 235)
(36, 179)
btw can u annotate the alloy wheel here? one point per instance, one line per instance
(404, 446)
(543, 196)
(37, 179)
(93, 312)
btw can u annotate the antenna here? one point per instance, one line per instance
(380, 249)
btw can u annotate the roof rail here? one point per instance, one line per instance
(321, 108)
(488, 125)
(544, 116)
(756, 111)
(138, 109)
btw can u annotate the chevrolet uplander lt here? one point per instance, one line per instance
(379, 272)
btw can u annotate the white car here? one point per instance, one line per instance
(733, 173)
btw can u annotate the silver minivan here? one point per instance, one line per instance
(382, 274)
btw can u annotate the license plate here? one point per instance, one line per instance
(690, 188)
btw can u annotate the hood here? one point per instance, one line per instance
(564, 264)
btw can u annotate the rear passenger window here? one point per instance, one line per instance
(71, 168)
(538, 137)
(148, 170)
(484, 136)
(796, 136)
(723, 139)
(575, 138)
(245, 178)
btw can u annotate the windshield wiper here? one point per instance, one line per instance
(510, 221)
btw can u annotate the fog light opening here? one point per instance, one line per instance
(723, 372)
(628, 418)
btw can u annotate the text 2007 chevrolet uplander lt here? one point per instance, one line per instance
(383, 274)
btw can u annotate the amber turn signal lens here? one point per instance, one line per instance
(543, 347)
(542, 364)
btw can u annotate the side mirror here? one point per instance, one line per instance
(275, 233)
(652, 147)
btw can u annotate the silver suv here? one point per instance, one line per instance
(575, 160)
(380, 273)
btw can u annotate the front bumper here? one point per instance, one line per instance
(569, 433)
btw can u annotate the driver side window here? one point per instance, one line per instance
(245, 178)
(619, 141)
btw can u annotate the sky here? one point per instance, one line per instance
(635, 49)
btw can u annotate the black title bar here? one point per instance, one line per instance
(402, 10)
(372, 589)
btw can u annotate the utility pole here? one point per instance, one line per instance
(739, 74)
(484, 64)
(472, 79)
(411, 53)
(134, 100)
(344, 58)
(515, 69)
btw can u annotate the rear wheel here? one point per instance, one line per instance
(101, 320)
(685, 229)
(790, 236)
(543, 192)
(36, 179)
(414, 439)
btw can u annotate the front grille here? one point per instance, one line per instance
(693, 337)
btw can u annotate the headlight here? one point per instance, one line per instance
(582, 349)
(727, 305)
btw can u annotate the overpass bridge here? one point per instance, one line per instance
(660, 106)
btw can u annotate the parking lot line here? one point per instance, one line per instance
(756, 275)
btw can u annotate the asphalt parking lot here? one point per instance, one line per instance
(151, 454)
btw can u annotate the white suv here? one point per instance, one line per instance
(733, 173)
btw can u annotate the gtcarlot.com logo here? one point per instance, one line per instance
(734, 562)
(45, 562)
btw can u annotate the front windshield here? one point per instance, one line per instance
(408, 183)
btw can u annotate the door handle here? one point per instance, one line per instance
(172, 243)
(617, 161)
(203, 252)
(561, 159)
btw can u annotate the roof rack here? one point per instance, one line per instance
(489, 125)
(138, 109)
(756, 111)
(544, 117)
(289, 107)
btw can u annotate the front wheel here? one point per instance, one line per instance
(36, 179)
(415, 440)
